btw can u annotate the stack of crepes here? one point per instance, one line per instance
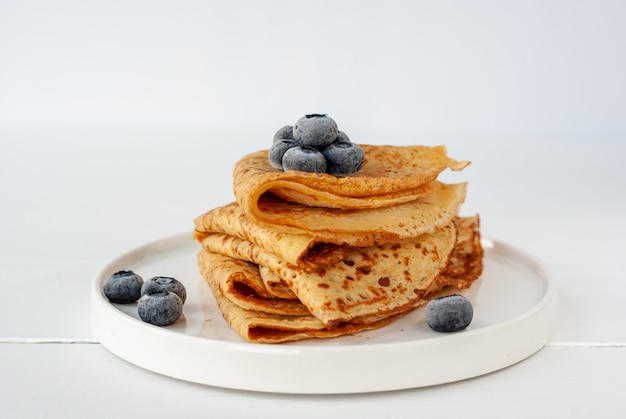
(305, 255)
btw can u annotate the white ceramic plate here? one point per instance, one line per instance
(514, 316)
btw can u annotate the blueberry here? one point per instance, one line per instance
(123, 287)
(342, 137)
(277, 150)
(165, 283)
(343, 158)
(160, 308)
(315, 130)
(285, 133)
(305, 159)
(449, 314)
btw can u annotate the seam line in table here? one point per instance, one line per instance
(49, 340)
(88, 341)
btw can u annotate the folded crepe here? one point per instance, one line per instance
(390, 175)
(369, 280)
(242, 282)
(263, 326)
(260, 316)
(390, 194)
(310, 226)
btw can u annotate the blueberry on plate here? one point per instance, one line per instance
(305, 159)
(165, 283)
(277, 151)
(450, 313)
(123, 287)
(160, 308)
(343, 158)
(285, 133)
(315, 130)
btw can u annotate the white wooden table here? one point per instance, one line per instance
(74, 198)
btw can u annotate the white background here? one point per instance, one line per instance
(428, 67)
(120, 121)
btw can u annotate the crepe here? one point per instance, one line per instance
(381, 279)
(310, 226)
(231, 220)
(242, 283)
(390, 175)
(249, 316)
(395, 196)
(264, 327)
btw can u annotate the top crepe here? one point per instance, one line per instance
(391, 185)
